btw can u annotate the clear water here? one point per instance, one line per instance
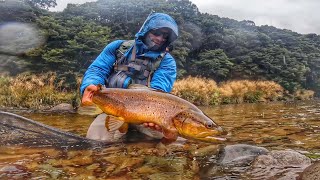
(293, 125)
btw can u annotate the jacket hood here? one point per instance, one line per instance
(156, 21)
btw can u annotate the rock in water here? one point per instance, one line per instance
(240, 154)
(312, 172)
(279, 164)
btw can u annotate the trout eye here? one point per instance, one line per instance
(209, 125)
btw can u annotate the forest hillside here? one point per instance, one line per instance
(209, 46)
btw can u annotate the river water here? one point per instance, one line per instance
(275, 126)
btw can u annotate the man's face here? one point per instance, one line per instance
(156, 38)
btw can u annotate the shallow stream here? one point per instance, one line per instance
(275, 126)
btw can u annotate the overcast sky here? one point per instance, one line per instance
(301, 16)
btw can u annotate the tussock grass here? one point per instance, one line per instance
(46, 90)
(250, 91)
(202, 91)
(303, 94)
(34, 91)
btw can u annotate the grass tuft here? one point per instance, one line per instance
(202, 91)
(46, 90)
(34, 91)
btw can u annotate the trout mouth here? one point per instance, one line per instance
(212, 136)
(211, 132)
(213, 139)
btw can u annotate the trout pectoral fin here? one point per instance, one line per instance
(124, 128)
(113, 123)
(169, 134)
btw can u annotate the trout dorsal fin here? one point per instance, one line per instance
(140, 86)
(115, 123)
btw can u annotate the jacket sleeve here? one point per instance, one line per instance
(165, 76)
(101, 67)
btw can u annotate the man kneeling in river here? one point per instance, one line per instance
(143, 60)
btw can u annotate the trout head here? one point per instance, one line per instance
(107, 101)
(99, 98)
(196, 125)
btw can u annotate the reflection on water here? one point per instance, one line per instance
(273, 126)
(294, 125)
(73, 123)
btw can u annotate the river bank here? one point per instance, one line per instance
(42, 92)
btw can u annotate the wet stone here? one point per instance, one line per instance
(147, 170)
(14, 170)
(282, 158)
(63, 107)
(123, 164)
(174, 164)
(171, 175)
(93, 167)
(77, 161)
(176, 147)
(240, 154)
(110, 168)
(312, 172)
(279, 164)
(206, 151)
(53, 172)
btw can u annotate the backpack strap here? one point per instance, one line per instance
(123, 48)
(156, 65)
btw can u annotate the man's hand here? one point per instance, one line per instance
(87, 95)
(152, 126)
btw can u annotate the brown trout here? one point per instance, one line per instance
(176, 116)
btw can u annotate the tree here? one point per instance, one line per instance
(71, 46)
(43, 4)
(220, 48)
(214, 64)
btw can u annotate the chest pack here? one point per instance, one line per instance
(132, 70)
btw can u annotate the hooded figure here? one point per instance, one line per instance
(144, 62)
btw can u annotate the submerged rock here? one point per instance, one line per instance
(14, 171)
(282, 158)
(205, 151)
(231, 161)
(240, 154)
(168, 168)
(312, 172)
(279, 164)
(243, 161)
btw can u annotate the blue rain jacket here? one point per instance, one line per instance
(163, 78)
